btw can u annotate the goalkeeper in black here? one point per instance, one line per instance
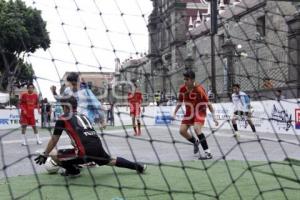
(87, 145)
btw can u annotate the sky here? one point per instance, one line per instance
(104, 32)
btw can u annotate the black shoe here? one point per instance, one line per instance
(196, 146)
(141, 168)
(71, 175)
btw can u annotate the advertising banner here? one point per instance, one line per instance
(9, 118)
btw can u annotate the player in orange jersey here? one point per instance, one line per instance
(196, 101)
(135, 99)
(28, 102)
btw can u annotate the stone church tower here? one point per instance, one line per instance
(168, 28)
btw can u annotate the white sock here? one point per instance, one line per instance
(24, 139)
(37, 137)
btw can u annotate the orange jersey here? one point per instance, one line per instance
(195, 100)
(28, 102)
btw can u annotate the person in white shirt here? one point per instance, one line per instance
(88, 103)
(241, 108)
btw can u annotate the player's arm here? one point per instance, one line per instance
(66, 92)
(209, 104)
(37, 104)
(41, 159)
(59, 127)
(51, 144)
(129, 97)
(212, 111)
(141, 99)
(22, 104)
(53, 90)
(179, 103)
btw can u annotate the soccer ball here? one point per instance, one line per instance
(51, 166)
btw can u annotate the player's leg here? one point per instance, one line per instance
(102, 158)
(139, 126)
(23, 123)
(124, 163)
(234, 123)
(31, 122)
(138, 114)
(37, 136)
(48, 119)
(202, 139)
(184, 133)
(23, 131)
(134, 124)
(249, 120)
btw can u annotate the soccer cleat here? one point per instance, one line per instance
(24, 144)
(236, 134)
(141, 168)
(196, 146)
(39, 142)
(207, 156)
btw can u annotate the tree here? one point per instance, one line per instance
(22, 30)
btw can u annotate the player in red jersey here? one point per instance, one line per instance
(196, 101)
(28, 102)
(135, 99)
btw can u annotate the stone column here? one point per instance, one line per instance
(294, 53)
(228, 51)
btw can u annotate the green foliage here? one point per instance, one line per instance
(22, 30)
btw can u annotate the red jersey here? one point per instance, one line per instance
(195, 100)
(28, 102)
(135, 98)
(135, 101)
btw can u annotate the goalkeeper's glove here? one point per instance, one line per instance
(41, 159)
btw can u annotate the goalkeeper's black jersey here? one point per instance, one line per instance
(81, 132)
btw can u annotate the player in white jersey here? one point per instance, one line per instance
(88, 103)
(241, 108)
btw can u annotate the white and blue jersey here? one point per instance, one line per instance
(241, 102)
(88, 104)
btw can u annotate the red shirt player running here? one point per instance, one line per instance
(195, 99)
(28, 102)
(135, 99)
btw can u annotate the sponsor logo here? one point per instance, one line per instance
(297, 118)
(4, 121)
(282, 118)
(163, 117)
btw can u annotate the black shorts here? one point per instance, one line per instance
(94, 154)
(241, 113)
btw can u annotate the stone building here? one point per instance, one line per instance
(257, 41)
